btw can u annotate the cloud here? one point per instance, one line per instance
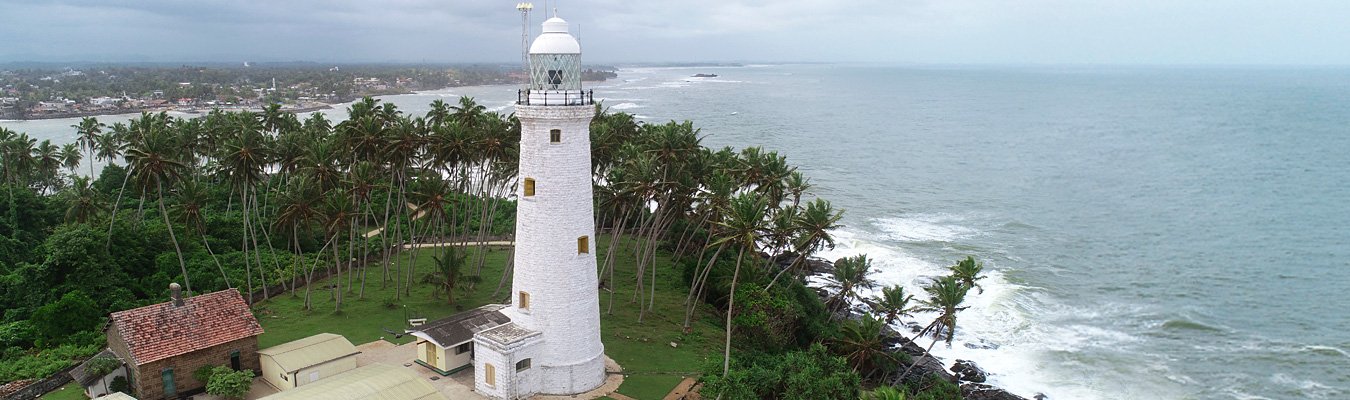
(940, 31)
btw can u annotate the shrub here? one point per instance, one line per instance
(229, 383)
(806, 374)
(120, 384)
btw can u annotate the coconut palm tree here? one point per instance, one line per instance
(884, 393)
(863, 344)
(849, 275)
(813, 226)
(70, 157)
(191, 199)
(86, 203)
(945, 297)
(243, 158)
(744, 225)
(893, 303)
(48, 159)
(295, 211)
(151, 163)
(968, 272)
(89, 131)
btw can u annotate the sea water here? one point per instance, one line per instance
(1148, 233)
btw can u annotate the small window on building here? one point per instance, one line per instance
(489, 374)
(523, 365)
(555, 136)
(464, 348)
(583, 245)
(524, 300)
(529, 187)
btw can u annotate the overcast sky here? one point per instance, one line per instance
(895, 31)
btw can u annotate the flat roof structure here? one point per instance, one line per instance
(314, 350)
(370, 382)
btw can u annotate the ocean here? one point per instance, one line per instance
(1149, 233)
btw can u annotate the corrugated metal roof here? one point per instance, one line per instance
(370, 382)
(79, 373)
(318, 349)
(460, 328)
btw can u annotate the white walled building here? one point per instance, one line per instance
(552, 343)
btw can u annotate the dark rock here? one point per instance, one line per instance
(980, 391)
(968, 371)
(982, 345)
(1040, 396)
(927, 366)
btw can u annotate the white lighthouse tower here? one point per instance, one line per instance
(552, 345)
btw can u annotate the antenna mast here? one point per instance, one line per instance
(524, 9)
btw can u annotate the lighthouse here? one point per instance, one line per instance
(552, 344)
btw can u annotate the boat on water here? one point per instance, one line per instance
(705, 75)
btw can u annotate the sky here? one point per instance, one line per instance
(1125, 32)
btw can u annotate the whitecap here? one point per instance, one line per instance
(924, 228)
(625, 106)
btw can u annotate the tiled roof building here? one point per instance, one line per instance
(164, 343)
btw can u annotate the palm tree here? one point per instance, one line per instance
(449, 274)
(70, 157)
(244, 157)
(296, 210)
(192, 198)
(744, 225)
(814, 225)
(945, 297)
(864, 346)
(849, 275)
(86, 202)
(885, 393)
(89, 130)
(48, 158)
(893, 303)
(149, 158)
(968, 271)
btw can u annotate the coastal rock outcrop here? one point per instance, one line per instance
(980, 391)
(968, 371)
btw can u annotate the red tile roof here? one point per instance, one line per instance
(160, 331)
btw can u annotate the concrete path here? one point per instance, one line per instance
(460, 384)
(682, 390)
(498, 243)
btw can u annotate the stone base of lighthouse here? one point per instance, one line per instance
(573, 379)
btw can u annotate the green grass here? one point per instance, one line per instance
(71, 391)
(643, 387)
(653, 367)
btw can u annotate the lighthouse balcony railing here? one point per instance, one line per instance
(531, 97)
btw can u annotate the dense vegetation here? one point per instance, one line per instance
(266, 203)
(232, 82)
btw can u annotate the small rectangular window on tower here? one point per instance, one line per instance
(555, 136)
(524, 300)
(489, 374)
(522, 365)
(583, 245)
(529, 187)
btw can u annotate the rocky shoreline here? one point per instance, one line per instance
(965, 373)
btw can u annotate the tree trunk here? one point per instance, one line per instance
(731, 307)
(187, 283)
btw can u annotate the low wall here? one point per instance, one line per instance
(39, 388)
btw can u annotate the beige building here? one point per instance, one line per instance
(302, 362)
(446, 345)
(370, 382)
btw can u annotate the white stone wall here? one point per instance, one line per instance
(101, 386)
(563, 288)
(510, 384)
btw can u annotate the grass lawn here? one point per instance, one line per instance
(644, 349)
(71, 391)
